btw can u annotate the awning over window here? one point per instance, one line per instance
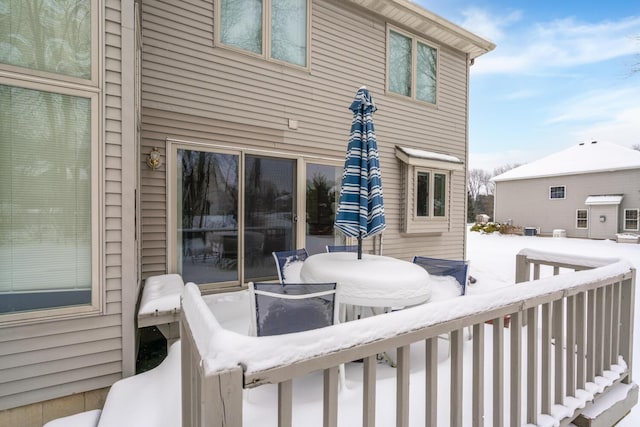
(612, 199)
(429, 159)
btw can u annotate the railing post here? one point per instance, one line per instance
(523, 271)
(221, 403)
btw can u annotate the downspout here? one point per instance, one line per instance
(466, 156)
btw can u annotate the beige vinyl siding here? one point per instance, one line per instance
(50, 359)
(196, 92)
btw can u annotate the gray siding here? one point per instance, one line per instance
(197, 92)
(51, 359)
(526, 202)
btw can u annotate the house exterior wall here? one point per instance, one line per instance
(526, 202)
(48, 359)
(195, 91)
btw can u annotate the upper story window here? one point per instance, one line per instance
(273, 29)
(49, 147)
(558, 192)
(631, 219)
(412, 67)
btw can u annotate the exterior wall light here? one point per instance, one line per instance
(153, 159)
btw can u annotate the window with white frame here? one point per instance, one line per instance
(430, 193)
(582, 218)
(631, 219)
(49, 260)
(273, 29)
(412, 67)
(557, 192)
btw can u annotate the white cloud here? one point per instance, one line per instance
(488, 26)
(622, 129)
(603, 105)
(552, 46)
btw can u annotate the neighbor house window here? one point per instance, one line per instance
(412, 67)
(273, 29)
(631, 219)
(430, 194)
(582, 218)
(557, 192)
(48, 159)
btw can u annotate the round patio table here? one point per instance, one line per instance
(373, 281)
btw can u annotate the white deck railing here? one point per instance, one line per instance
(590, 312)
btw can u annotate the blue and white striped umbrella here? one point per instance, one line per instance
(361, 207)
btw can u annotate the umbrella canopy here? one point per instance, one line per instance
(361, 207)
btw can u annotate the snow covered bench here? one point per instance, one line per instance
(160, 305)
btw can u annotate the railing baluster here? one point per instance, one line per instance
(478, 376)
(581, 345)
(545, 363)
(369, 392)
(431, 382)
(402, 385)
(570, 353)
(558, 363)
(608, 326)
(515, 391)
(498, 372)
(599, 354)
(628, 298)
(285, 403)
(532, 365)
(455, 341)
(536, 271)
(330, 397)
(615, 334)
(591, 335)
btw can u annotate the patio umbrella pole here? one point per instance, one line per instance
(360, 246)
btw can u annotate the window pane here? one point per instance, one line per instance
(631, 219)
(439, 194)
(399, 64)
(270, 203)
(323, 188)
(581, 218)
(556, 192)
(289, 31)
(45, 199)
(426, 73)
(422, 194)
(53, 36)
(207, 216)
(241, 24)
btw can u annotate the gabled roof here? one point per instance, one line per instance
(587, 157)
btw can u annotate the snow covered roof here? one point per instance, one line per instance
(414, 156)
(587, 157)
(612, 199)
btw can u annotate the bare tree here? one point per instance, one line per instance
(499, 171)
(477, 182)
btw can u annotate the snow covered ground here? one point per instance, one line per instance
(153, 399)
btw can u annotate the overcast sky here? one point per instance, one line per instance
(561, 74)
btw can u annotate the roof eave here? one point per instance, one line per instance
(428, 24)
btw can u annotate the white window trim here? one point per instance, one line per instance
(637, 220)
(564, 195)
(580, 219)
(414, 65)
(91, 89)
(266, 37)
(431, 172)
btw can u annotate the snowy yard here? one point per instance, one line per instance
(156, 393)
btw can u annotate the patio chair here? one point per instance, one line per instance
(288, 264)
(283, 308)
(342, 248)
(447, 267)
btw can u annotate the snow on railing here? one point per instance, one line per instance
(559, 312)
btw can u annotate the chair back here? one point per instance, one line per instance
(286, 259)
(283, 308)
(342, 248)
(445, 267)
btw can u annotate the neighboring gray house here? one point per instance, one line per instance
(590, 190)
(251, 124)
